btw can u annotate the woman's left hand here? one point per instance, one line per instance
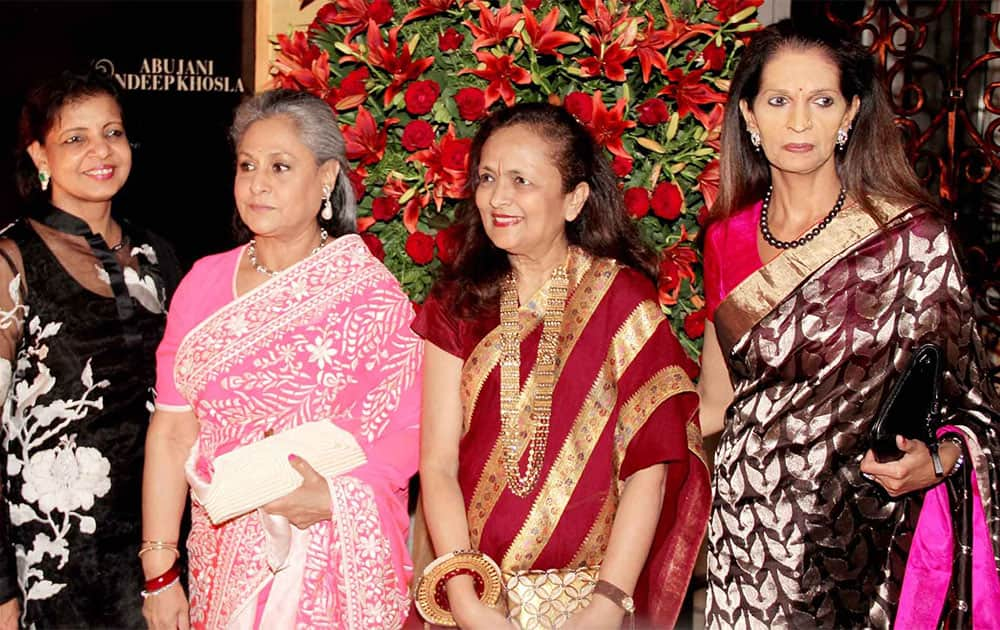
(600, 614)
(914, 471)
(309, 503)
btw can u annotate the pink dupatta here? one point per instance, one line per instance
(326, 340)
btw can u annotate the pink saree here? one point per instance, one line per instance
(326, 340)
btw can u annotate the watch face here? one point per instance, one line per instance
(628, 604)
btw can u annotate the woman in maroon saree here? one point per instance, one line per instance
(807, 530)
(548, 229)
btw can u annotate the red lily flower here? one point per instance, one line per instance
(502, 73)
(608, 59)
(543, 37)
(427, 8)
(395, 59)
(596, 14)
(675, 266)
(608, 126)
(689, 91)
(364, 142)
(301, 65)
(493, 28)
(708, 183)
(651, 41)
(729, 8)
(354, 13)
(394, 189)
(446, 163)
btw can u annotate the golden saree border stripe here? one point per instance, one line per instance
(591, 279)
(696, 444)
(569, 465)
(594, 545)
(763, 290)
(660, 387)
(486, 355)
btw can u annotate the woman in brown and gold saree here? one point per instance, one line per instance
(825, 267)
(560, 432)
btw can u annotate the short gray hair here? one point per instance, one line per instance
(318, 130)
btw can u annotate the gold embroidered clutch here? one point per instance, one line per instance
(544, 600)
(253, 475)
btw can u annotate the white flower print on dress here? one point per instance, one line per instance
(66, 478)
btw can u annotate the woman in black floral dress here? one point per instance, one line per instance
(82, 308)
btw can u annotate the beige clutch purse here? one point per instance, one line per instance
(252, 475)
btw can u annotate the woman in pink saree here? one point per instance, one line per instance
(300, 325)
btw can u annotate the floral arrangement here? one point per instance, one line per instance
(410, 81)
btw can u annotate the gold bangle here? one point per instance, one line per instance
(156, 545)
(431, 598)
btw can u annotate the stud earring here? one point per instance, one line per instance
(326, 211)
(755, 140)
(43, 180)
(842, 138)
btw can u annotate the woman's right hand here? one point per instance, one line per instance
(167, 610)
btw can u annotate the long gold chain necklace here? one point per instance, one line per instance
(510, 379)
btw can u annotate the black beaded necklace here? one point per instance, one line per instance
(773, 241)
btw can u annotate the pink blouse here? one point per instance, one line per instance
(730, 255)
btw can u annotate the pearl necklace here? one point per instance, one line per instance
(510, 379)
(252, 253)
(773, 241)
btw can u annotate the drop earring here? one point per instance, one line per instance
(842, 138)
(43, 180)
(326, 211)
(755, 140)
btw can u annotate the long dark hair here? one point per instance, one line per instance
(873, 166)
(42, 106)
(603, 228)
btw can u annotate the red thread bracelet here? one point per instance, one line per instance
(441, 594)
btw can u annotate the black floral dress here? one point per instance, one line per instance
(79, 324)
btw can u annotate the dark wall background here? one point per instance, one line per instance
(180, 185)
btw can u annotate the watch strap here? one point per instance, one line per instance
(619, 597)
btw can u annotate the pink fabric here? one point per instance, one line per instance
(327, 339)
(730, 255)
(929, 565)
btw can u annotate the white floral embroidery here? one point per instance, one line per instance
(59, 484)
(143, 289)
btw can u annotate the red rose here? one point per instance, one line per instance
(471, 103)
(621, 166)
(580, 105)
(694, 324)
(380, 11)
(447, 244)
(653, 111)
(420, 97)
(637, 202)
(450, 40)
(420, 247)
(418, 135)
(455, 154)
(667, 201)
(532, 4)
(384, 208)
(374, 245)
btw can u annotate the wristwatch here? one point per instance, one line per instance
(616, 595)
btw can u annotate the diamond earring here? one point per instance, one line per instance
(755, 140)
(43, 180)
(842, 138)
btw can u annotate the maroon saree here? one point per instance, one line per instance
(623, 401)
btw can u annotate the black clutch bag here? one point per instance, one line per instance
(912, 407)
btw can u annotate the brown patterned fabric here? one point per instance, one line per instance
(798, 538)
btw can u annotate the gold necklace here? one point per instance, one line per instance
(510, 379)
